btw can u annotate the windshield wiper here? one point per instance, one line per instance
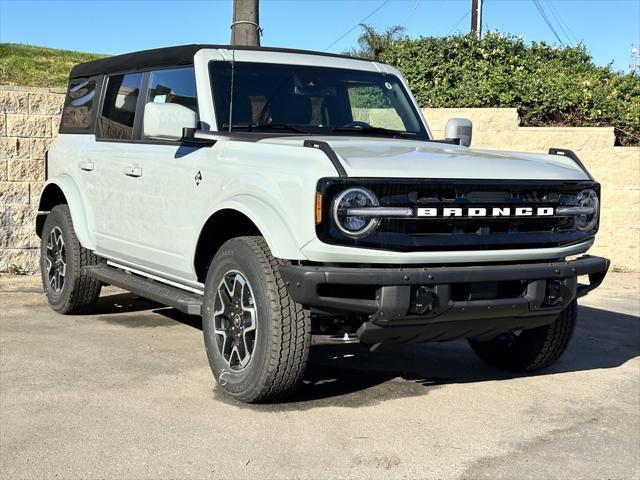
(254, 126)
(375, 130)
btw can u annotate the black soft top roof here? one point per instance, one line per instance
(168, 56)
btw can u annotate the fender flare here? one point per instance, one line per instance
(280, 239)
(75, 201)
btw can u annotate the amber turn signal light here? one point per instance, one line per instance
(318, 208)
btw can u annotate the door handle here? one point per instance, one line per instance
(133, 171)
(87, 166)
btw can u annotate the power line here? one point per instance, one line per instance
(455, 25)
(357, 24)
(547, 21)
(558, 22)
(561, 21)
(411, 14)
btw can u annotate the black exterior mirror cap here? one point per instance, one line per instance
(195, 135)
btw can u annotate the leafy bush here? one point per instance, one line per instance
(548, 85)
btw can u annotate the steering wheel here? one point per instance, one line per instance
(356, 124)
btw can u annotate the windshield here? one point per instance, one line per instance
(317, 100)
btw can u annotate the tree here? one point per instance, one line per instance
(371, 44)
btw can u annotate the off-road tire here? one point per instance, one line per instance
(79, 292)
(532, 349)
(283, 338)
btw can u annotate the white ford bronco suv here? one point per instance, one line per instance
(293, 198)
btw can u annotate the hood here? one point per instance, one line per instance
(393, 158)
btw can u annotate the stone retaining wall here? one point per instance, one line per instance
(29, 120)
(616, 168)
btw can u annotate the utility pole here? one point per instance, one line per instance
(476, 18)
(245, 29)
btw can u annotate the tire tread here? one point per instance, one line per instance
(84, 290)
(291, 335)
(287, 339)
(534, 349)
(557, 339)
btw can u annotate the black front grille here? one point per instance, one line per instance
(474, 226)
(461, 232)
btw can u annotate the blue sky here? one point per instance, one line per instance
(607, 27)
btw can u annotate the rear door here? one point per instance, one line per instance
(111, 188)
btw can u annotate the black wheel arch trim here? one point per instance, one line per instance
(565, 152)
(330, 153)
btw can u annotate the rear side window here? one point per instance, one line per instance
(119, 108)
(79, 106)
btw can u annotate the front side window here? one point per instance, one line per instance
(119, 108)
(177, 86)
(308, 99)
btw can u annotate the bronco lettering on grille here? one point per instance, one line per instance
(486, 212)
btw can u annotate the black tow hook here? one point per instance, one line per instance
(423, 301)
(556, 292)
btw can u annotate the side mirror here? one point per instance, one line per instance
(165, 121)
(200, 137)
(459, 128)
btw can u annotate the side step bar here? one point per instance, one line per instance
(187, 302)
(334, 339)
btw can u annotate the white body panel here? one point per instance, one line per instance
(384, 158)
(152, 221)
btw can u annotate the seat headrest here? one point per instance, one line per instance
(336, 112)
(291, 108)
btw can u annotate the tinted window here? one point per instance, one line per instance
(176, 85)
(119, 110)
(173, 86)
(77, 113)
(310, 99)
(371, 104)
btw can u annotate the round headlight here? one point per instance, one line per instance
(355, 226)
(587, 198)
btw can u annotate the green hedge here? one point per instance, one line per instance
(548, 85)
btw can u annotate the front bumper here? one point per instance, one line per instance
(318, 251)
(419, 304)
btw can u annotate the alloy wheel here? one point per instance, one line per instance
(234, 320)
(56, 260)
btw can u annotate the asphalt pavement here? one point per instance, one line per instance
(127, 393)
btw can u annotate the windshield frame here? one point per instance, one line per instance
(219, 98)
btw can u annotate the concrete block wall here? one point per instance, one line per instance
(29, 119)
(616, 168)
